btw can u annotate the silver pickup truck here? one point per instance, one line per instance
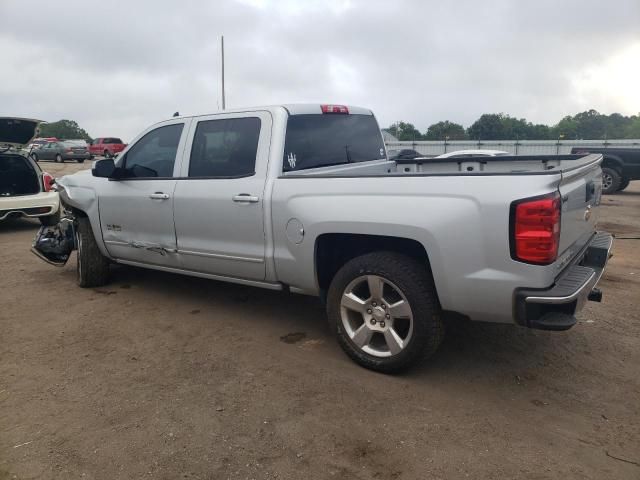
(303, 198)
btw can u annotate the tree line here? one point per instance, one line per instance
(64, 130)
(590, 125)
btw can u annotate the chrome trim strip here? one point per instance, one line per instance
(567, 299)
(222, 257)
(30, 215)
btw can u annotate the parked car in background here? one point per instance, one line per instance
(302, 198)
(39, 142)
(106, 147)
(473, 153)
(60, 151)
(25, 190)
(619, 166)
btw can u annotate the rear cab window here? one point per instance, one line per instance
(320, 140)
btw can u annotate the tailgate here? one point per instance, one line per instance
(580, 190)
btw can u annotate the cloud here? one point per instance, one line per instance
(118, 67)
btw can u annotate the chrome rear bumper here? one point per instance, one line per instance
(554, 308)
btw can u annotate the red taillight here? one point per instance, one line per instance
(334, 109)
(47, 181)
(535, 229)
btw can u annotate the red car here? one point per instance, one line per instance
(106, 147)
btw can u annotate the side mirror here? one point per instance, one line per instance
(104, 168)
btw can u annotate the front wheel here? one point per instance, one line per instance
(611, 180)
(93, 267)
(59, 158)
(107, 154)
(80, 160)
(384, 310)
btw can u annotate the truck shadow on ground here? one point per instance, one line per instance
(12, 225)
(469, 348)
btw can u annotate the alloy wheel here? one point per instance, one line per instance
(376, 316)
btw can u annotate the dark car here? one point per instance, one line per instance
(619, 166)
(404, 154)
(61, 151)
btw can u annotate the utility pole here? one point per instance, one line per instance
(222, 69)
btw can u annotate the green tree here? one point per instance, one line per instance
(490, 126)
(445, 130)
(633, 128)
(64, 129)
(404, 131)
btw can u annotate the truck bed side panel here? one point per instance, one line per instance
(462, 222)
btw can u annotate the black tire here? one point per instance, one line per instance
(34, 157)
(107, 154)
(50, 220)
(624, 184)
(92, 267)
(416, 284)
(611, 180)
(59, 158)
(80, 160)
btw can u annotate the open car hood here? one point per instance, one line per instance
(17, 131)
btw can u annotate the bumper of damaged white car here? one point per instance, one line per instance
(39, 205)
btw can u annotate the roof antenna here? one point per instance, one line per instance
(177, 114)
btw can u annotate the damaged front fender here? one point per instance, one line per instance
(55, 244)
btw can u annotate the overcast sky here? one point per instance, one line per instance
(116, 67)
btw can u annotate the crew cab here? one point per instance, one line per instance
(302, 198)
(106, 146)
(619, 166)
(25, 190)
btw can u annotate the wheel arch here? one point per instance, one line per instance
(333, 250)
(613, 161)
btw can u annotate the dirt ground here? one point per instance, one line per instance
(171, 377)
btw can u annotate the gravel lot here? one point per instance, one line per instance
(166, 376)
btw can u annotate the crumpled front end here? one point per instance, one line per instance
(55, 244)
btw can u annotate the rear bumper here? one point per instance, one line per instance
(554, 308)
(38, 205)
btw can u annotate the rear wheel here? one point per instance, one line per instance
(59, 158)
(384, 310)
(92, 267)
(611, 180)
(107, 154)
(80, 160)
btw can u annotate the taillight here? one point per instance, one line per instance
(48, 181)
(535, 229)
(334, 109)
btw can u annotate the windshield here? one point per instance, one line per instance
(331, 139)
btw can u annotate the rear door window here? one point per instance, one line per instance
(225, 148)
(319, 140)
(154, 155)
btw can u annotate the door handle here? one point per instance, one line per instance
(245, 198)
(159, 196)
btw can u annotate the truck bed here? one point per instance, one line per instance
(502, 165)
